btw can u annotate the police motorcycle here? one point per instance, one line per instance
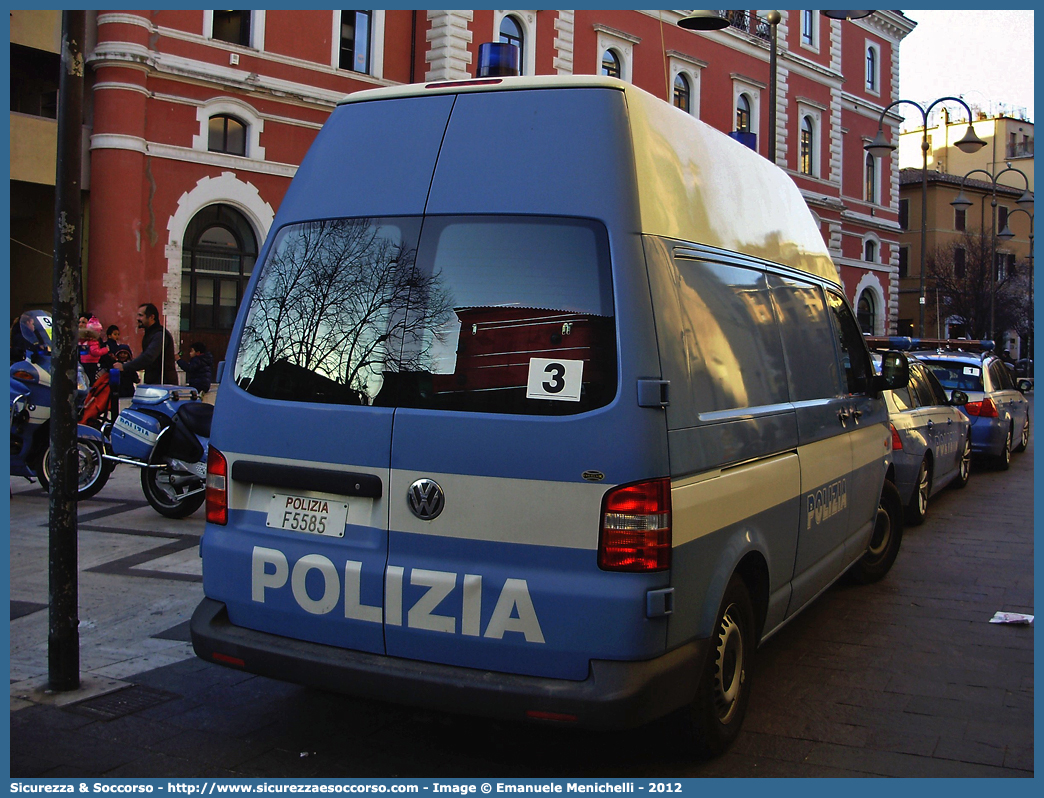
(30, 378)
(165, 433)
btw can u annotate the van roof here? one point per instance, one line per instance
(694, 182)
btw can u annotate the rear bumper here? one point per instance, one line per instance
(614, 695)
(989, 436)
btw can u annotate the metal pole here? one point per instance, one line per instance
(993, 255)
(63, 642)
(773, 18)
(924, 221)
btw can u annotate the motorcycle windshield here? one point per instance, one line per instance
(35, 326)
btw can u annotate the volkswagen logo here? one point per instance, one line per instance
(426, 499)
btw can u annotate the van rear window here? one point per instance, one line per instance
(486, 314)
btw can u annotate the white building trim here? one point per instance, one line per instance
(244, 112)
(448, 56)
(564, 43)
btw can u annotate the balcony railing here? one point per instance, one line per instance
(1023, 150)
(748, 22)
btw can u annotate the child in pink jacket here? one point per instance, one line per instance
(91, 347)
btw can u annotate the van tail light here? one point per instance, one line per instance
(217, 487)
(984, 409)
(636, 527)
(897, 442)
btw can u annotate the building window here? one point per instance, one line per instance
(218, 257)
(960, 262)
(870, 251)
(808, 28)
(232, 27)
(743, 114)
(871, 178)
(226, 134)
(904, 262)
(355, 41)
(866, 313)
(34, 81)
(611, 64)
(960, 219)
(682, 93)
(808, 133)
(871, 69)
(511, 33)
(1002, 217)
(904, 214)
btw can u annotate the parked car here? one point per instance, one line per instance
(998, 411)
(931, 439)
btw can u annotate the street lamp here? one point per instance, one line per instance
(712, 20)
(881, 147)
(1006, 235)
(961, 201)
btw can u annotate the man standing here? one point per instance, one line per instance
(157, 356)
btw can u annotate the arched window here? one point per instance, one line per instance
(870, 251)
(866, 313)
(871, 68)
(226, 134)
(682, 93)
(808, 134)
(611, 64)
(871, 178)
(743, 114)
(511, 33)
(218, 255)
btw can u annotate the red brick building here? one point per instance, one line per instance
(200, 118)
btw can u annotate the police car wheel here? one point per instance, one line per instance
(1003, 460)
(1024, 438)
(167, 492)
(917, 509)
(886, 539)
(964, 467)
(716, 714)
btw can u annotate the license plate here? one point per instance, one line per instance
(316, 516)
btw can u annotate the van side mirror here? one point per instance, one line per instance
(895, 373)
(958, 398)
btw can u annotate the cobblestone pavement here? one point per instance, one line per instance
(902, 678)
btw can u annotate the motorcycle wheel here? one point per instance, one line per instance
(166, 498)
(92, 472)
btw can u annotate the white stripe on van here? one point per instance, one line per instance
(504, 510)
(714, 500)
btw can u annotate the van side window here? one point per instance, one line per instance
(805, 327)
(854, 357)
(731, 334)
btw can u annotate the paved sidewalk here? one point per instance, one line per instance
(902, 678)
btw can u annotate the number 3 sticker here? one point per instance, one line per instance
(557, 380)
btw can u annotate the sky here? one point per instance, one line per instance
(986, 56)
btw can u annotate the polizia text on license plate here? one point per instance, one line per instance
(317, 516)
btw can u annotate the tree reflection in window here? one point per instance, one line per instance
(329, 314)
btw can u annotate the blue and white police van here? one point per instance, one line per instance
(544, 403)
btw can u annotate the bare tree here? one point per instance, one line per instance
(338, 298)
(960, 271)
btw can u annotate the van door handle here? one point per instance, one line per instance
(844, 414)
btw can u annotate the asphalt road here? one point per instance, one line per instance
(902, 678)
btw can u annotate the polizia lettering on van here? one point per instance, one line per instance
(825, 503)
(513, 612)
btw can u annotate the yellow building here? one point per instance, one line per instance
(954, 232)
(1009, 140)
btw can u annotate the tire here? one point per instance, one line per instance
(714, 718)
(1003, 460)
(166, 498)
(963, 466)
(92, 471)
(1024, 439)
(917, 509)
(886, 540)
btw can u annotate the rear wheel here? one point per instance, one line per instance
(1003, 460)
(886, 540)
(1024, 439)
(713, 720)
(92, 472)
(172, 493)
(964, 466)
(917, 509)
